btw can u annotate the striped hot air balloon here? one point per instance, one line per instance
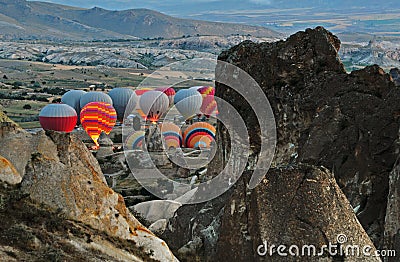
(188, 102)
(72, 99)
(123, 99)
(209, 105)
(58, 117)
(97, 117)
(199, 135)
(170, 92)
(94, 96)
(135, 140)
(171, 134)
(154, 104)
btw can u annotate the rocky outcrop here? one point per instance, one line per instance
(324, 116)
(32, 232)
(300, 205)
(58, 171)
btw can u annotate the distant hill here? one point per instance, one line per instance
(40, 20)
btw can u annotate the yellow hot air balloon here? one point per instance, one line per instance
(97, 117)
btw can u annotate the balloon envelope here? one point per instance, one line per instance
(97, 117)
(171, 134)
(154, 104)
(188, 102)
(58, 117)
(169, 91)
(72, 99)
(142, 90)
(198, 135)
(121, 97)
(135, 140)
(206, 90)
(94, 96)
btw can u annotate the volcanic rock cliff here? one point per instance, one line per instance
(348, 123)
(55, 176)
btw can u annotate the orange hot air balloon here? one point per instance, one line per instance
(198, 135)
(97, 117)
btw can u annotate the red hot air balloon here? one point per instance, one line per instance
(58, 117)
(209, 105)
(206, 91)
(97, 117)
(169, 91)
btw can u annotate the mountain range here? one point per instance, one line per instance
(20, 19)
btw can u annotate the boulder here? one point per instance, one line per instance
(296, 205)
(155, 210)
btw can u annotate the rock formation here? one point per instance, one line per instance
(300, 205)
(59, 172)
(324, 116)
(347, 123)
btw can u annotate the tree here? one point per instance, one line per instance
(27, 106)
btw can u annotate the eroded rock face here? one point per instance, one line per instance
(298, 205)
(8, 173)
(65, 175)
(324, 116)
(61, 173)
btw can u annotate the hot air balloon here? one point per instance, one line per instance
(121, 97)
(58, 117)
(171, 134)
(199, 135)
(154, 104)
(95, 96)
(142, 90)
(188, 102)
(170, 92)
(72, 99)
(209, 105)
(206, 91)
(97, 117)
(135, 140)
